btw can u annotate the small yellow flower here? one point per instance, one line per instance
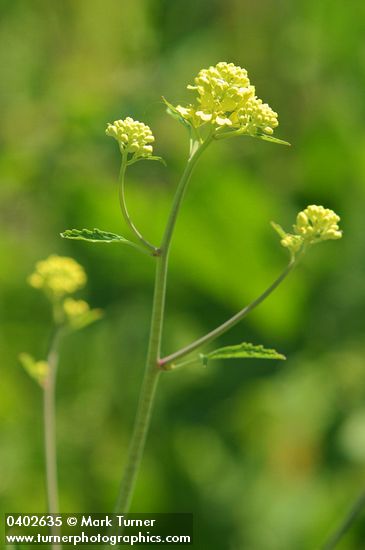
(58, 276)
(78, 313)
(227, 100)
(38, 370)
(75, 308)
(133, 137)
(292, 242)
(313, 225)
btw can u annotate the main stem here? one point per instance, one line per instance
(152, 370)
(49, 420)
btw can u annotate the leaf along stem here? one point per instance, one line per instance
(224, 327)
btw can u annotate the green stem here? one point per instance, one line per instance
(152, 370)
(125, 212)
(49, 420)
(139, 436)
(189, 362)
(227, 325)
(196, 152)
(346, 523)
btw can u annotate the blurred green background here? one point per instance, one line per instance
(268, 456)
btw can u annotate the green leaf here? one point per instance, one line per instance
(134, 160)
(85, 319)
(279, 230)
(38, 370)
(98, 236)
(273, 139)
(159, 159)
(172, 111)
(242, 351)
(94, 236)
(223, 133)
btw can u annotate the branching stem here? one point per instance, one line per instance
(224, 327)
(152, 370)
(155, 365)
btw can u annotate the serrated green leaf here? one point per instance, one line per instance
(98, 236)
(172, 111)
(93, 235)
(242, 351)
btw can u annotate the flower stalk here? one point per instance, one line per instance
(123, 205)
(58, 278)
(49, 422)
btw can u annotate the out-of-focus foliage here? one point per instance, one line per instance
(268, 455)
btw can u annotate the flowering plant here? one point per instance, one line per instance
(58, 277)
(225, 105)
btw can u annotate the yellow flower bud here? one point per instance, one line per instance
(256, 117)
(133, 137)
(292, 242)
(316, 223)
(75, 308)
(313, 225)
(78, 313)
(38, 370)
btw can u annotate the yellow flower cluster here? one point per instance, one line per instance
(292, 242)
(75, 308)
(225, 98)
(38, 370)
(133, 137)
(316, 223)
(58, 276)
(313, 225)
(257, 117)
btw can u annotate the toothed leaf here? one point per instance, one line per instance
(94, 236)
(242, 351)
